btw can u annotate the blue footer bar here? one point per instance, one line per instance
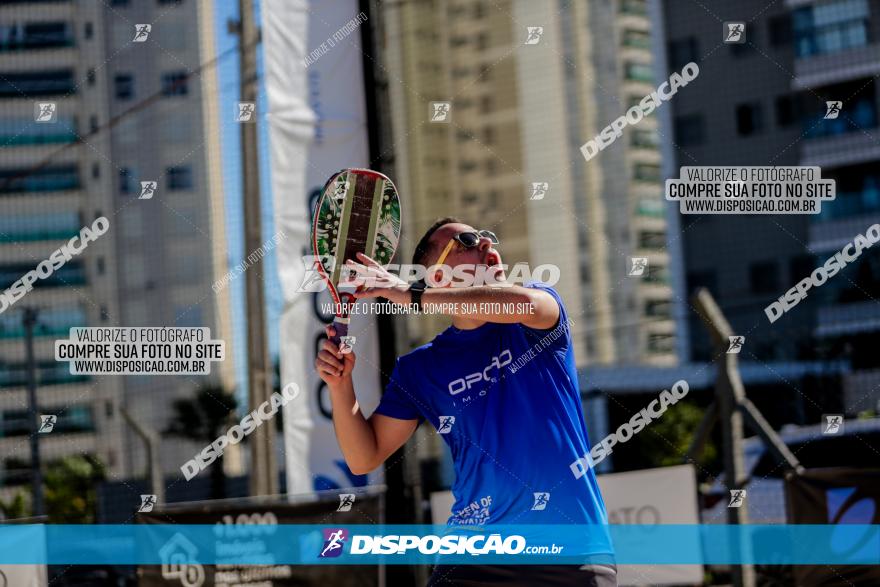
(421, 544)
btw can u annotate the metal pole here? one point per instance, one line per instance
(402, 473)
(729, 395)
(29, 320)
(151, 442)
(263, 473)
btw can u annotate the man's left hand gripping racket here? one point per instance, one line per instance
(358, 212)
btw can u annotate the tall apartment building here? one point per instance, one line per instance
(764, 103)
(156, 264)
(528, 83)
(837, 57)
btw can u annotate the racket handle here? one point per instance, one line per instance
(341, 329)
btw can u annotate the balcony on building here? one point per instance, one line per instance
(49, 372)
(37, 84)
(856, 206)
(30, 36)
(26, 132)
(833, 42)
(52, 323)
(48, 226)
(52, 178)
(71, 273)
(847, 303)
(848, 139)
(847, 319)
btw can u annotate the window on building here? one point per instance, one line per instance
(764, 277)
(645, 138)
(749, 119)
(71, 273)
(22, 131)
(653, 208)
(640, 72)
(681, 52)
(859, 110)
(661, 343)
(77, 418)
(635, 101)
(46, 179)
(647, 172)
(52, 322)
(49, 372)
(830, 27)
(39, 227)
(123, 84)
(15, 423)
(127, 181)
(179, 178)
(658, 308)
(88, 31)
(636, 39)
(17, 36)
(638, 7)
(652, 239)
(656, 274)
(33, 84)
(175, 83)
(690, 130)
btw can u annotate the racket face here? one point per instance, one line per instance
(358, 212)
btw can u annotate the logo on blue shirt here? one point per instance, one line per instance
(463, 383)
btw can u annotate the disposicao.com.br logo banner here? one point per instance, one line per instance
(153, 544)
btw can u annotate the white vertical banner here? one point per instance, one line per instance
(23, 576)
(317, 126)
(666, 495)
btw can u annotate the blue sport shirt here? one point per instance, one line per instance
(506, 400)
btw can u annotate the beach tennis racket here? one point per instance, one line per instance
(358, 212)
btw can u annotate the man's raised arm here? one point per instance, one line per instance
(365, 443)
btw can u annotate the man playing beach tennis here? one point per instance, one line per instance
(501, 388)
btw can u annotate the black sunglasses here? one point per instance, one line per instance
(469, 240)
(472, 239)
